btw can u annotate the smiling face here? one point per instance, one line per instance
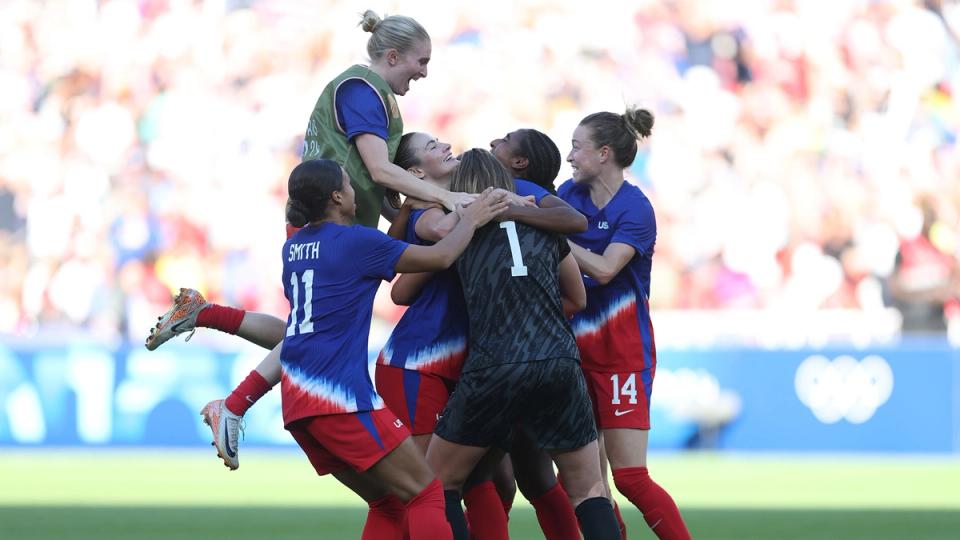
(406, 67)
(584, 157)
(436, 162)
(506, 150)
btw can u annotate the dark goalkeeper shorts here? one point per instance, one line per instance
(546, 399)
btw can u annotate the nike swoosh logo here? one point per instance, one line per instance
(249, 398)
(226, 445)
(618, 412)
(176, 327)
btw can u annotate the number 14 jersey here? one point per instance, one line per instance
(511, 286)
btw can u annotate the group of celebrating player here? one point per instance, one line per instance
(528, 329)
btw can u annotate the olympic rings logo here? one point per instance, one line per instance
(844, 389)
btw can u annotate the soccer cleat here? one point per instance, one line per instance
(226, 428)
(180, 318)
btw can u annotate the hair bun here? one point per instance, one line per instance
(296, 213)
(639, 122)
(370, 21)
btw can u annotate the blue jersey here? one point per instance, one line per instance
(614, 332)
(526, 187)
(360, 110)
(331, 274)
(432, 334)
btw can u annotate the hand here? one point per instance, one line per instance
(487, 206)
(517, 200)
(457, 198)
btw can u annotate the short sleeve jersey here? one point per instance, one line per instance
(614, 332)
(432, 334)
(331, 274)
(510, 279)
(525, 188)
(360, 110)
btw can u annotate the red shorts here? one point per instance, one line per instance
(334, 442)
(620, 399)
(418, 398)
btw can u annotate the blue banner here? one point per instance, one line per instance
(904, 398)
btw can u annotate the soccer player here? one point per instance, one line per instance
(418, 392)
(614, 332)
(356, 122)
(190, 310)
(521, 373)
(331, 272)
(419, 365)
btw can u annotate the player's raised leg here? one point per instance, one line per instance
(191, 311)
(224, 416)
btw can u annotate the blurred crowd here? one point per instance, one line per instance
(804, 155)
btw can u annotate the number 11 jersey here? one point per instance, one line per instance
(331, 274)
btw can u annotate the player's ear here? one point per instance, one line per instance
(418, 172)
(337, 197)
(605, 153)
(393, 57)
(520, 163)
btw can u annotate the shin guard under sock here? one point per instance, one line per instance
(487, 518)
(658, 508)
(555, 515)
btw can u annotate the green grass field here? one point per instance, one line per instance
(163, 494)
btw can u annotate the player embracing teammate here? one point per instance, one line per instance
(614, 332)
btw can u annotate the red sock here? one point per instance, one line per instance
(623, 526)
(426, 517)
(384, 519)
(487, 518)
(247, 393)
(556, 516)
(224, 318)
(658, 508)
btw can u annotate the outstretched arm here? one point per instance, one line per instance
(442, 254)
(373, 152)
(553, 214)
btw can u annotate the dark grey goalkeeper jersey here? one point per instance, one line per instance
(510, 281)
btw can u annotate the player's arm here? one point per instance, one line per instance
(603, 267)
(572, 292)
(434, 224)
(553, 214)
(373, 152)
(398, 227)
(407, 287)
(441, 255)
